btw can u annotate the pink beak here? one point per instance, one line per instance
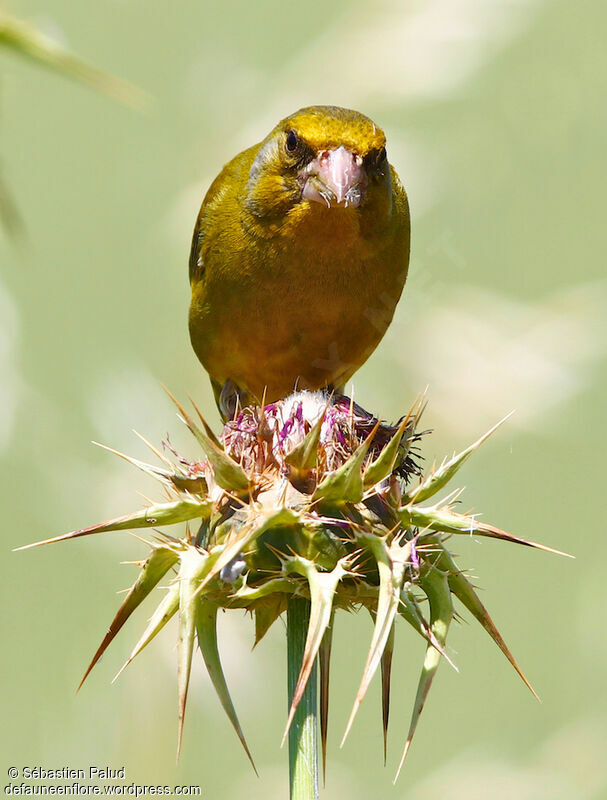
(334, 177)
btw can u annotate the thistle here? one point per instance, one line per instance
(309, 505)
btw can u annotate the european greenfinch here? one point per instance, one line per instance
(299, 257)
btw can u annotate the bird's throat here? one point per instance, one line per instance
(313, 227)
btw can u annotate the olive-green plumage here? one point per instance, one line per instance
(299, 257)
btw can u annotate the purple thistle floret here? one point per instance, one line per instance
(260, 437)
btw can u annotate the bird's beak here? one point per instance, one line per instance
(334, 177)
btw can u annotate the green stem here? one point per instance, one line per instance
(303, 748)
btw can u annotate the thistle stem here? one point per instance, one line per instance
(303, 746)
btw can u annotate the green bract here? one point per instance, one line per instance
(310, 497)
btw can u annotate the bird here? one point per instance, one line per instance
(299, 256)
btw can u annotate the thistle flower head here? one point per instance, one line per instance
(308, 497)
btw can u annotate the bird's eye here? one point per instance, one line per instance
(291, 142)
(376, 161)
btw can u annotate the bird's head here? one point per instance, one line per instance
(322, 156)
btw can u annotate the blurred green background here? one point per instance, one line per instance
(496, 121)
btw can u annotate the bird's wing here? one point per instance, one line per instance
(218, 206)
